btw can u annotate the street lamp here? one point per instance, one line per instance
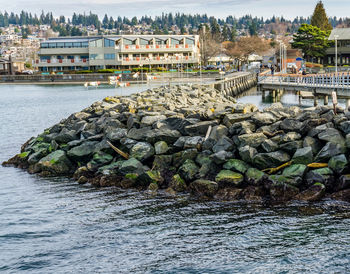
(336, 53)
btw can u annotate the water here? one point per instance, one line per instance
(56, 226)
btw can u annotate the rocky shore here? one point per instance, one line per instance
(195, 139)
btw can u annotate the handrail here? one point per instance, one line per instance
(339, 80)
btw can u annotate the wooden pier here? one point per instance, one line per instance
(314, 86)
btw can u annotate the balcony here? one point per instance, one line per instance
(61, 62)
(63, 51)
(158, 60)
(155, 48)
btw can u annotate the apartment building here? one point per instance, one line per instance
(342, 36)
(118, 52)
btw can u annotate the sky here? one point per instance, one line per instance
(219, 8)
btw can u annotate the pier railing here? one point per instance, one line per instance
(331, 81)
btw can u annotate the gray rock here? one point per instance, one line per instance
(224, 144)
(290, 125)
(252, 140)
(269, 145)
(332, 135)
(204, 188)
(83, 152)
(345, 127)
(200, 129)
(313, 143)
(56, 163)
(131, 166)
(150, 120)
(231, 119)
(338, 163)
(312, 194)
(264, 118)
(328, 151)
(161, 147)
(65, 136)
(321, 175)
(247, 153)
(292, 147)
(303, 156)
(193, 142)
(188, 170)
(142, 151)
(218, 132)
(270, 160)
(115, 134)
(221, 157)
(290, 137)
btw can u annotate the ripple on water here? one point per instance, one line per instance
(56, 226)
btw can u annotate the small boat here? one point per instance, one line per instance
(92, 84)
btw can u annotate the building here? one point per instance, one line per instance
(117, 52)
(342, 35)
(5, 67)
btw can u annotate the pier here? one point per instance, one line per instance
(313, 86)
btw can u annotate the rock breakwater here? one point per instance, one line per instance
(198, 140)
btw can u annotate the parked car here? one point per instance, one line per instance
(28, 71)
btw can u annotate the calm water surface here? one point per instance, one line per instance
(56, 226)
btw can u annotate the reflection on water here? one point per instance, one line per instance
(56, 226)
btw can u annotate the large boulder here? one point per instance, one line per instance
(161, 147)
(270, 160)
(150, 120)
(295, 171)
(282, 192)
(56, 163)
(313, 193)
(332, 135)
(228, 178)
(204, 188)
(290, 124)
(142, 151)
(313, 143)
(254, 176)
(303, 156)
(177, 183)
(65, 136)
(131, 166)
(321, 175)
(247, 153)
(236, 165)
(338, 163)
(224, 144)
(328, 151)
(200, 129)
(115, 134)
(83, 152)
(188, 170)
(252, 140)
(264, 118)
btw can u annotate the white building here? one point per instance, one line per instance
(117, 51)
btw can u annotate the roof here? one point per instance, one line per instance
(68, 40)
(342, 33)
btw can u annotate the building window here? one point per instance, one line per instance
(108, 43)
(76, 45)
(60, 45)
(52, 45)
(44, 45)
(85, 44)
(68, 45)
(189, 41)
(174, 41)
(109, 56)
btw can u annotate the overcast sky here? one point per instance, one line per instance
(219, 8)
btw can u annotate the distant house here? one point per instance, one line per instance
(220, 59)
(5, 66)
(342, 35)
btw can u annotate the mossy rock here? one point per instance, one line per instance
(314, 193)
(153, 187)
(111, 168)
(283, 192)
(254, 176)
(228, 178)
(177, 183)
(188, 170)
(294, 171)
(204, 188)
(56, 163)
(338, 163)
(236, 165)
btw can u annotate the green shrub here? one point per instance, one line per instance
(83, 72)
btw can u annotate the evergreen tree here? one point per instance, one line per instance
(319, 18)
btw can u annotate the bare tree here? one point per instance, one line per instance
(209, 44)
(246, 46)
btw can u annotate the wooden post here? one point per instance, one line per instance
(326, 100)
(335, 102)
(347, 104)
